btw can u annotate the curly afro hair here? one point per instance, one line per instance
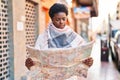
(56, 8)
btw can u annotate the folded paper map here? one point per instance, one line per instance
(61, 62)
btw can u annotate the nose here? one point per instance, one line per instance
(61, 21)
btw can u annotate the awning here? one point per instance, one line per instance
(91, 3)
(85, 2)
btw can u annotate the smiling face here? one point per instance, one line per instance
(59, 20)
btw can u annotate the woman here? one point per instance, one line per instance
(58, 34)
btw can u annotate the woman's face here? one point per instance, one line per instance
(59, 20)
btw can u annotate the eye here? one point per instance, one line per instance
(64, 18)
(57, 19)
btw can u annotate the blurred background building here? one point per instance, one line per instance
(22, 21)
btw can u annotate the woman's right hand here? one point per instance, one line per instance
(29, 63)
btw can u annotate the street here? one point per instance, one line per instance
(102, 70)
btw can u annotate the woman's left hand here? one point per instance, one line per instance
(88, 61)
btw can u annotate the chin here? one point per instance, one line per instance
(61, 27)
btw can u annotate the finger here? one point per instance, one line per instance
(88, 61)
(29, 62)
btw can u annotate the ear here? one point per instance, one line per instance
(51, 19)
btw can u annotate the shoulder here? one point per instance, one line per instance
(42, 35)
(41, 41)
